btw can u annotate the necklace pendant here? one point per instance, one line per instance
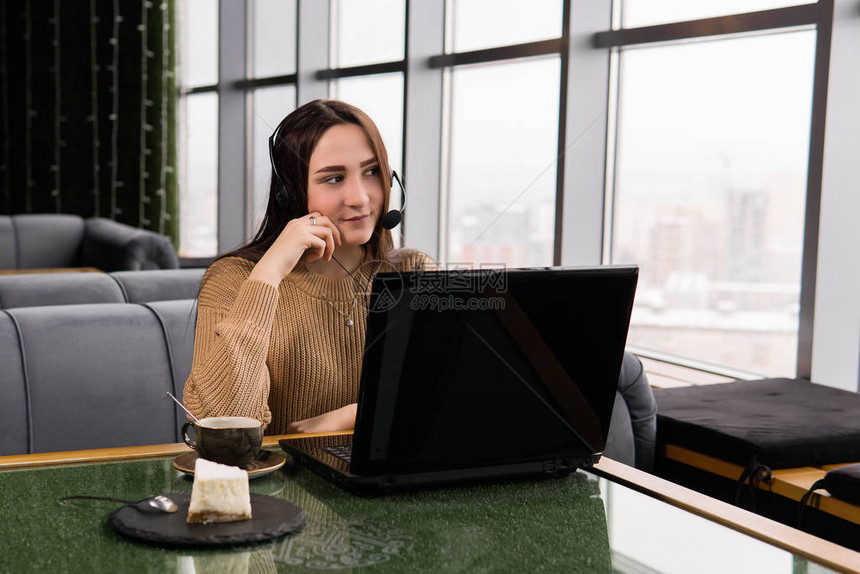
(349, 322)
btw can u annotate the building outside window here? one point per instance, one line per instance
(710, 176)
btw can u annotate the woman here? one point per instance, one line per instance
(281, 320)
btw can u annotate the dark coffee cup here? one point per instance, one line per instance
(229, 440)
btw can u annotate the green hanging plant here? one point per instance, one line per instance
(89, 101)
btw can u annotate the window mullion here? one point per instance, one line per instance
(584, 149)
(232, 119)
(313, 50)
(423, 126)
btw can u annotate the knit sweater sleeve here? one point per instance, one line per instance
(413, 260)
(229, 375)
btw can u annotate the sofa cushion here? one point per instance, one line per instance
(13, 393)
(844, 483)
(48, 240)
(780, 423)
(620, 445)
(37, 289)
(97, 376)
(159, 285)
(179, 320)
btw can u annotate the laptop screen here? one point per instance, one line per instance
(484, 367)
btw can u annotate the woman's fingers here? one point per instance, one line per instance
(338, 419)
(313, 236)
(324, 233)
(317, 246)
(323, 227)
(317, 219)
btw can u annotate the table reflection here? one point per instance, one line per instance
(478, 527)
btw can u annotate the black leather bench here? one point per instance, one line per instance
(761, 445)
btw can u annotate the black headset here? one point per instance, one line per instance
(389, 221)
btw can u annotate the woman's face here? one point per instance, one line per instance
(343, 183)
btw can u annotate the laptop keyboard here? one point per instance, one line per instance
(343, 452)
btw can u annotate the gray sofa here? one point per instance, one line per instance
(88, 357)
(93, 375)
(633, 429)
(40, 289)
(41, 241)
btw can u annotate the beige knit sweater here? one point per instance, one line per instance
(280, 354)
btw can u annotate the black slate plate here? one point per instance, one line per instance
(272, 517)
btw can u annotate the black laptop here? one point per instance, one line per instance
(481, 374)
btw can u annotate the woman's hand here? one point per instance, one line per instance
(336, 420)
(314, 236)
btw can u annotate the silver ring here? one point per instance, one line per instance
(313, 220)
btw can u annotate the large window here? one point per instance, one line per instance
(273, 38)
(272, 91)
(198, 206)
(710, 188)
(503, 145)
(198, 203)
(682, 136)
(635, 13)
(503, 132)
(367, 32)
(371, 34)
(367, 46)
(381, 97)
(479, 24)
(270, 106)
(269, 87)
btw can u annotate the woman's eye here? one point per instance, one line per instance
(333, 179)
(372, 170)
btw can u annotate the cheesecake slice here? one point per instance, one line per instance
(219, 494)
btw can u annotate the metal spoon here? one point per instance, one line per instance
(159, 502)
(162, 503)
(178, 402)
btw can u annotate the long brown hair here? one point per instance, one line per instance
(297, 137)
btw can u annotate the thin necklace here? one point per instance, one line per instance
(347, 316)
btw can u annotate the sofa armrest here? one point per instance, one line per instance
(41, 241)
(642, 406)
(112, 246)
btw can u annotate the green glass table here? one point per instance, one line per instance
(582, 523)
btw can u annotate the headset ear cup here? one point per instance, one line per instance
(281, 194)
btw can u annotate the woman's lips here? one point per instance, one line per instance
(356, 219)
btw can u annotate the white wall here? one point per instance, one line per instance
(836, 335)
